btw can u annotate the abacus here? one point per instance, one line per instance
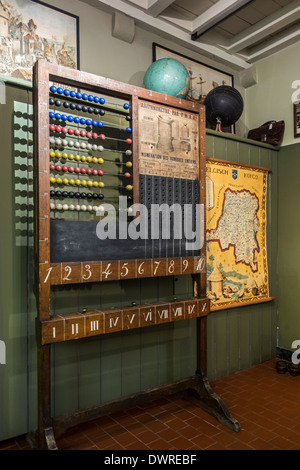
(104, 145)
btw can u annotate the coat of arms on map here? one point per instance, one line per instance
(237, 271)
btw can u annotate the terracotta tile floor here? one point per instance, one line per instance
(266, 404)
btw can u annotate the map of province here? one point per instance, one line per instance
(238, 226)
(236, 260)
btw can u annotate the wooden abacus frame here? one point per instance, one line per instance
(52, 329)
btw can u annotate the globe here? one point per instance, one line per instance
(224, 104)
(168, 76)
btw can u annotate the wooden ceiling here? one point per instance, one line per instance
(233, 32)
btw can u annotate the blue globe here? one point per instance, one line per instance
(168, 76)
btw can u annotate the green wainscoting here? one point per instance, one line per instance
(95, 370)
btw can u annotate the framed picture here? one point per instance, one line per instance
(297, 119)
(203, 78)
(29, 30)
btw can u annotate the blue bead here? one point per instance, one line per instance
(60, 91)
(91, 98)
(128, 129)
(102, 100)
(77, 120)
(64, 117)
(58, 115)
(89, 122)
(100, 124)
(53, 89)
(126, 106)
(78, 95)
(70, 118)
(51, 114)
(95, 123)
(85, 96)
(67, 92)
(73, 94)
(82, 121)
(96, 99)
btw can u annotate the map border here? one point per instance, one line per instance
(266, 171)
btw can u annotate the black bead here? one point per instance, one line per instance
(57, 103)
(83, 195)
(73, 106)
(58, 193)
(66, 104)
(71, 194)
(65, 194)
(101, 196)
(77, 195)
(51, 101)
(78, 107)
(52, 193)
(128, 118)
(89, 196)
(102, 112)
(96, 111)
(95, 196)
(91, 110)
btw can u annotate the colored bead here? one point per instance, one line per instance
(78, 95)
(78, 107)
(83, 145)
(89, 208)
(89, 196)
(65, 194)
(71, 156)
(77, 195)
(126, 106)
(77, 132)
(101, 184)
(100, 148)
(77, 207)
(100, 196)
(94, 147)
(95, 184)
(58, 180)
(128, 129)
(102, 100)
(70, 118)
(128, 152)
(91, 98)
(85, 109)
(67, 105)
(77, 182)
(77, 120)
(94, 135)
(65, 181)
(89, 171)
(71, 194)
(89, 159)
(83, 158)
(65, 207)
(83, 171)
(51, 114)
(127, 175)
(129, 141)
(129, 187)
(82, 121)
(83, 183)
(66, 92)
(102, 112)
(95, 160)
(71, 169)
(85, 96)
(58, 154)
(100, 160)
(71, 182)
(128, 118)
(96, 99)
(102, 136)
(95, 172)
(129, 164)
(83, 195)
(57, 103)
(89, 135)
(52, 206)
(90, 110)
(73, 106)
(71, 131)
(52, 127)
(77, 158)
(60, 90)
(58, 167)
(95, 196)
(52, 167)
(52, 154)
(100, 124)
(71, 207)
(89, 146)
(65, 168)
(89, 122)
(100, 172)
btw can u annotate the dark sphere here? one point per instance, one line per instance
(223, 104)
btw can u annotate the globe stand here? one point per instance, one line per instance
(219, 125)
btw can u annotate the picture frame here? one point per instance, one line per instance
(296, 119)
(32, 29)
(209, 77)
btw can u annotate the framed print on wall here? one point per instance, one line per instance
(297, 119)
(29, 30)
(203, 78)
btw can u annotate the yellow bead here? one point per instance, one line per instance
(89, 159)
(90, 183)
(58, 154)
(77, 158)
(72, 182)
(101, 184)
(95, 160)
(78, 182)
(83, 183)
(83, 158)
(64, 155)
(71, 156)
(100, 160)
(52, 154)
(95, 184)
(129, 187)
(129, 164)
(58, 180)
(65, 181)
(52, 180)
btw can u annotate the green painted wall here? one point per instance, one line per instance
(288, 245)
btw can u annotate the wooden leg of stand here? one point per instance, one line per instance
(45, 438)
(202, 394)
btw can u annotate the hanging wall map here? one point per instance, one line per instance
(237, 270)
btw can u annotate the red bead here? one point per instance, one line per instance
(100, 172)
(64, 168)
(64, 130)
(76, 132)
(129, 141)
(95, 172)
(127, 175)
(102, 136)
(94, 135)
(71, 169)
(52, 167)
(77, 170)
(89, 171)
(52, 127)
(83, 133)
(89, 135)
(83, 171)
(58, 128)
(58, 167)
(71, 131)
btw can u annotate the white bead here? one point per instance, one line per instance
(58, 141)
(130, 210)
(77, 145)
(77, 207)
(65, 142)
(65, 207)
(52, 206)
(71, 207)
(52, 140)
(100, 148)
(89, 146)
(90, 208)
(83, 207)
(128, 152)
(94, 147)
(71, 143)
(59, 207)
(83, 145)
